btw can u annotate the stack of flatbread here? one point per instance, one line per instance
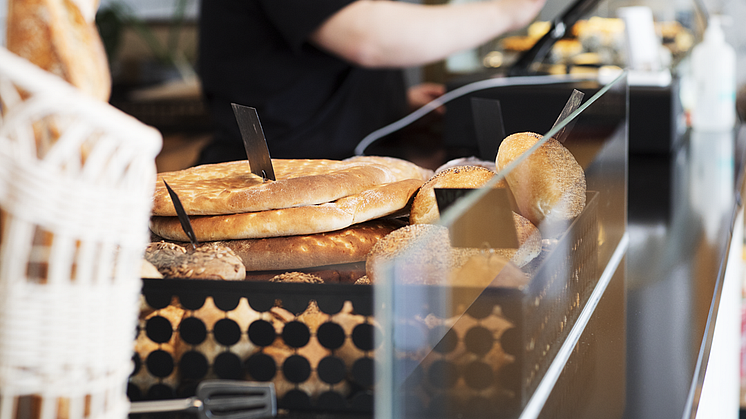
(317, 213)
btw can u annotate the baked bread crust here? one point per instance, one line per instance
(209, 261)
(367, 205)
(425, 207)
(548, 184)
(230, 188)
(348, 245)
(61, 38)
(430, 258)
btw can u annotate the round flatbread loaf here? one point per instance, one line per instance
(370, 204)
(424, 206)
(230, 188)
(548, 184)
(348, 245)
(403, 169)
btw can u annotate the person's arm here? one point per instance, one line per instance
(373, 33)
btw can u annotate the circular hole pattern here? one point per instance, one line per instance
(362, 371)
(443, 339)
(362, 402)
(331, 400)
(295, 399)
(365, 336)
(261, 302)
(331, 370)
(193, 331)
(330, 304)
(193, 365)
(296, 369)
(479, 340)
(227, 366)
(226, 332)
(133, 392)
(295, 304)
(331, 335)
(478, 375)
(261, 333)
(296, 334)
(442, 374)
(136, 363)
(159, 329)
(157, 300)
(160, 392)
(510, 341)
(192, 301)
(160, 363)
(480, 309)
(363, 306)
(260, 367)
(226, 302)
(188, 389)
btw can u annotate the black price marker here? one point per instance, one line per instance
(486, 224)
(186, 225)
(489, 126)
(254, 141)
(576, 98)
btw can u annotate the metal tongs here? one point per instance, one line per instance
(220, 399)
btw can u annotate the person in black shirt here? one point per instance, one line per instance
(322, 74)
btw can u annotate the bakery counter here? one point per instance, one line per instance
(619, 315)
(683, 223)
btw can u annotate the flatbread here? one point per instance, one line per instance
(348, 245)
(230, 188)
(367, 205)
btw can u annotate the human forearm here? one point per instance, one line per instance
(396, 34)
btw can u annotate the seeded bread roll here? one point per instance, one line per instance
(426, 249)
(466, 161)
(424, 206)
(209, 261)
(300, 277)
(548, 184)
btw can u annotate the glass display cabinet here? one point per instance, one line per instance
(472, 329)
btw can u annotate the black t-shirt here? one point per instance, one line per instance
(311, 104)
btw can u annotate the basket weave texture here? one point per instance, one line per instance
(76, 181)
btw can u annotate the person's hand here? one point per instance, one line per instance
(520, 13)
(422, 94)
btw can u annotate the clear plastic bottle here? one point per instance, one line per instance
(714, 72)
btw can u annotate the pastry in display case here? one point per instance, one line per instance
(405, 300)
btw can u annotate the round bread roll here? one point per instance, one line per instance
(429, 258)
(424, 206)
(298, 277)
(529, 243)
(548, 184)
(466, 161)
(426, 249)
(209, 261)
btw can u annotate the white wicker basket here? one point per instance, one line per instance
(76, 183)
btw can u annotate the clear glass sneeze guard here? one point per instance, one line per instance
(468, 333)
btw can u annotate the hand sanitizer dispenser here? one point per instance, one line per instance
(714, 73)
